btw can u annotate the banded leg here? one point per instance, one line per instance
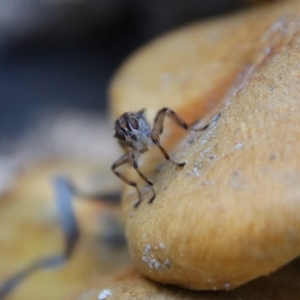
(148, 181)
(167, 156)
(129, 158)
(160, 116)
(214, 119)
(201, 128)
(121, 161)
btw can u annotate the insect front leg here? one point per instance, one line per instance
(160, 116)
(130, 158)
(148, 181)
(156, 140)
(121, 161)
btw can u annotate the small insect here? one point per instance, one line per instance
(136, 136)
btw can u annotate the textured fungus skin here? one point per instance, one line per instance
(129, 285)
(233, 213)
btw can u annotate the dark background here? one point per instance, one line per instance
(60, 54)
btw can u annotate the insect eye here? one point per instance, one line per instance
(119, 134)
(134, 123)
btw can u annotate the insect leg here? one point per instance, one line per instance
(148, 181)
(160, 116)
(156, 141)
(121, 161)
(201, 128)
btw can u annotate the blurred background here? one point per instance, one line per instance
(57, 58)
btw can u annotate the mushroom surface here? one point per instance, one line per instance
(232, 214)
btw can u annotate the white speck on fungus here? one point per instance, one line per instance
(238, 146)
(149, 258)
(104, 294)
